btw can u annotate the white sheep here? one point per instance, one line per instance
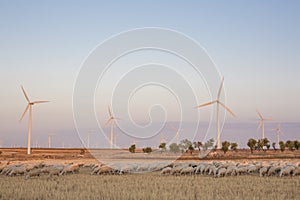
(71, 168)
(166, 170)
(288, 170)
(263, 171)
(187, 170)
(296, 171)
(221, 172)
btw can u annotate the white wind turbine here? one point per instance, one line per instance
(278, 131)
(29, 106)
(88, 137)
(50, 140)
(262, 124)
(218, 112)
(111, 121)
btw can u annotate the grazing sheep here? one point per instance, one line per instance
(296, 171)
(17, 170)
(105, 170)
(242, 170)
(187, 170)
(230, 169)
(72, 168)
(221, 172)
(176, 170)
(200, 169)
(33, 173)
(263, 171)
(166, 170)
(288, 170)
(213, 170)
(273, 170)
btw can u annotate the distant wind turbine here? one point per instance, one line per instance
(218, 112)
(262, 124)
(88, 137)
(278, 131)
(111, 121)
(50, 140)
(29, 106)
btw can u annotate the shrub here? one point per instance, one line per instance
(233, 146)
(174, 148)
(225, 146)
(132, 148)
(282, 146)
(251, 144)
(147, 150)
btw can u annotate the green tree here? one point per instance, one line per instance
(233, 146)
(132, 148)
(297, 144)
(198, 145)
(225, 146)
(282, 146)
(147, 150)
(251, 144)
(191, 148)
(274, 146)
(174, 147)
(184, 144)
(259, 145)
(290, 145)
(162, 146)
(266, 143)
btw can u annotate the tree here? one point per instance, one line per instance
(174, 147)
(162, 146)
(297, 144)
(274, 146)
(184, 144)
(282, 146)
(198, 145)
(233, 146)
(191, 148)
(251, 144)
(290, 145)
(259, 145)
(208, 144)
(147, 150)
(266, 143)
(225, 146)
(132, 148)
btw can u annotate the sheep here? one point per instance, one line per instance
(166, 170)
(187, 170)
(263, 171)
(213, 170)
(200, 169)
(176, 170)
(296, 171)
(17, 170)
(288, 170)
(221, 172)
(230, 169)
(241, 170)
(33, 173)
(273, 170)
(52, 169)
(72, 168)
(105, 170)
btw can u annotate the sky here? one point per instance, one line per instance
(254, 44)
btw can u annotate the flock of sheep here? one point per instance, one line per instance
(221, 169)
(215, 169)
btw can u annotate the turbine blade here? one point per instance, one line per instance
(220, 89)
(228, 109)
(36, 102)
(109, 112)
(26, 109)
(206, 104)
(108, 121)
(25, 94)
(260, 115)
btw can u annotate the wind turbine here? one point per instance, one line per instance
(49, 140)
(88, 137)
(177, 133)
(111, 121)
(29, 106)
(218, 102)
(262, 124)
(278, 131)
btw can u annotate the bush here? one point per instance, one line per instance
(147, 150)
(174, 148)
(282, 146)
(132, 148)
(251, 144)
(82, 151)
(225, 146)
(233, 146)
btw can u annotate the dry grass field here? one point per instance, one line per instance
(144, 185)
(149, 186)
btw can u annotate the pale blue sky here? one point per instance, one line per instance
(255, 45)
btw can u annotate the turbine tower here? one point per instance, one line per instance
(278, 131)
(177, 133)
(29, 106)
(111, 121)
(88, 137)
(262, 124)
(218, 102)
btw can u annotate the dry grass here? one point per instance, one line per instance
(149, 186)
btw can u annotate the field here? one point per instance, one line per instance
(149, 186)
(145, 185)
